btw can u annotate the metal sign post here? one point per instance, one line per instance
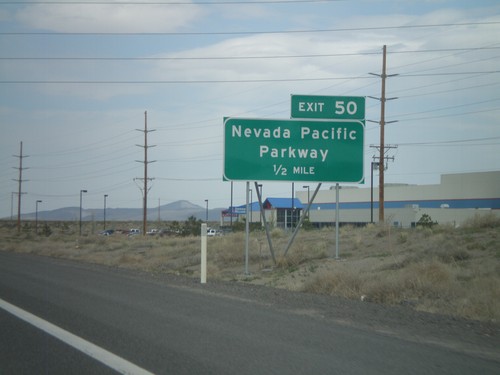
(247, 229)
(203, 272)
(337, 216)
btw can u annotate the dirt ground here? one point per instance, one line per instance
(440, 285)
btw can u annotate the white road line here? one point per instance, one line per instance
(107, 358)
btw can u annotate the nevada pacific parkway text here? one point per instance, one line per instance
(294, 152)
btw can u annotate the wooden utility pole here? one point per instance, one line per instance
(382, 140)
(145, 188)
(20, 182)
(382, 123)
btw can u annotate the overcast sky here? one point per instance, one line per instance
(76, 79)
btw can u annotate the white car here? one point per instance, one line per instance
(134, 232)
(212, 232)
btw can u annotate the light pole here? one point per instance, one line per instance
(251, 206)
(232, 208)
(259, 186)
(104, 224)
(36, 216)
(206, 213)
(308, 194)
(374, 164)
(81, 192)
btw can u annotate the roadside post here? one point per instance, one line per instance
(337, 217)
(247, 228)
(203, 273)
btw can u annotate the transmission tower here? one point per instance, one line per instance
(20, 182)
(145, 179)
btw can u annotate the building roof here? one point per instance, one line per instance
(269, 203)
(282, 203)
(254, 206)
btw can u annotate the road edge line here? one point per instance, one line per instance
(102, 355)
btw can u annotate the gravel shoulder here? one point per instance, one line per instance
(476, 338)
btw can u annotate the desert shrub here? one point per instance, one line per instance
(425, 280)
(456, 255)
(402, 237)
(490, 220)
(238, 226)
(307, 225)
(277, 233)
(191, 227)
(46, 231)
(425, 221)
(226, 251)
(426, 231)
(85, 240)
(343, 283)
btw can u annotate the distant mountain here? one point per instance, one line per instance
(179, 210)
(182, 205)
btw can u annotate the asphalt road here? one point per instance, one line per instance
(168, 328)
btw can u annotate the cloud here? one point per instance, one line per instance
(98, 18)
(201, 65)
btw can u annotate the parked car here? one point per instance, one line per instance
(134, 232)
(213, 232)
(107, 232)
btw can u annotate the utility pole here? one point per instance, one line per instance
(145, 188)
(20, 182)
(386, 158)
(382, 123)
(382, 166)
(159, 213)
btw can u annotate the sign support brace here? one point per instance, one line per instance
(302, 217)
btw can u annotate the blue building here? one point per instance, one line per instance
(455, 199)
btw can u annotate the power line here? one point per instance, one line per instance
(441, 91)
(211, 81)
(190, 179)
(451, 115)
(167, 2)
(449, 107)
(197, 33)
(203, 58)
(457, 141)
(176, 58)
(448, 73)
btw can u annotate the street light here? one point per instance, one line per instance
(259, 186)
(81, 191)
(206, 214)
(36, 216)
(104, 224)
(375, 165)
(308, 193)
(251, 206)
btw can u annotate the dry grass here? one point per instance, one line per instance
(443, 269)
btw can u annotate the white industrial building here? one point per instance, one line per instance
(456, 198)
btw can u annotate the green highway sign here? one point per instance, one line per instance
(328, 107)
(293, 150)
